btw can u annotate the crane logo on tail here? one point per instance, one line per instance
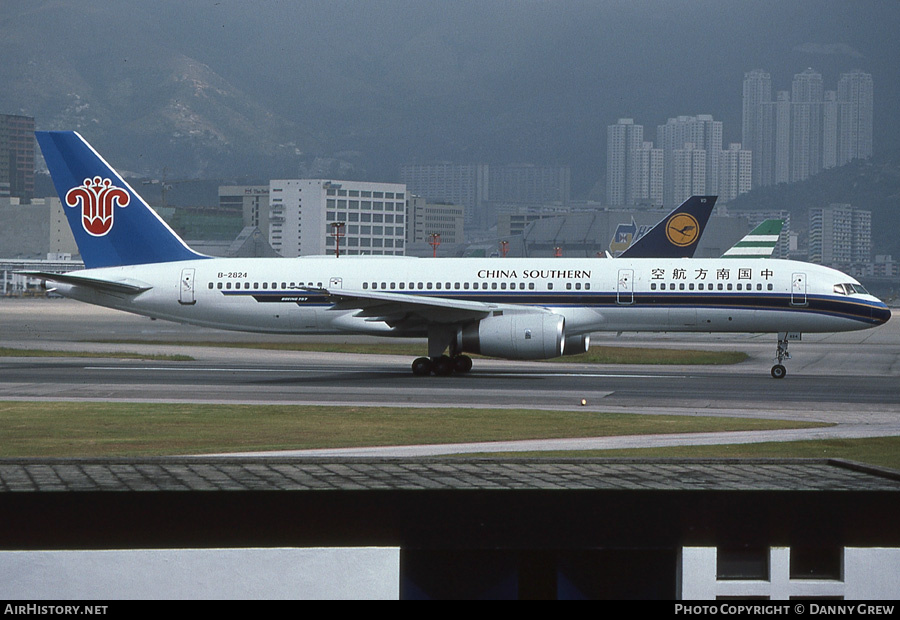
(682, 229)
(97, 197)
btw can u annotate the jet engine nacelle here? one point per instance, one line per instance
(521, 336)
(576, 345)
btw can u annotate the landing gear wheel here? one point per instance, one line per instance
(778, 371)
(421, 367)
(442, 366)
(462, 364)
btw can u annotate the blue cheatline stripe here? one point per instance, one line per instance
(815, 304)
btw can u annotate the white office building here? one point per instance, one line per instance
(306, 216)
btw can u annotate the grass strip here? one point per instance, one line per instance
(74, 429)
(597, 354)
(9, 352)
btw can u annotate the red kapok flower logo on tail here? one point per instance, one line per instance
(97, 197)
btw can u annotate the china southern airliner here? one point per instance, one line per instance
(513, 308)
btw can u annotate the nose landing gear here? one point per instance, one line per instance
(781, 354)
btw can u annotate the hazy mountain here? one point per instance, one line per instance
(356, 87)
(872, 184)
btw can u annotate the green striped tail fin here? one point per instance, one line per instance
(759, 243)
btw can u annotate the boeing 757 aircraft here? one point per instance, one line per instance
(514, 308)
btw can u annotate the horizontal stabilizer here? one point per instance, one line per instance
(124, 287)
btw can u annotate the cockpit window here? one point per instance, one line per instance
(849, 289)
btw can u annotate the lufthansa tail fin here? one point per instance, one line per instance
(678, 234)
(111, 223)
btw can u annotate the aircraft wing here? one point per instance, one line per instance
(121, 287)
(398, 309)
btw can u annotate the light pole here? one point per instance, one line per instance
(337, 231)
(435, 242)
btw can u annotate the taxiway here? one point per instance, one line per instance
(849, 379)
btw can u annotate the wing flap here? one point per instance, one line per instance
(395, 308)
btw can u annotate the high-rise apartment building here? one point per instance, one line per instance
(691, 146)
(855, 97)
(462, 184)
(809, 129)
(651, 176)
(807, 96)
(830, 116)
(735, 172)
(840, 235)
(304, 215)
(782, 166)
(757, 129)
(688, 172)
(17, 145)
(530, 184)
(624, 143)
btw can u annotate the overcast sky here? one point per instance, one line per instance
(391, 81)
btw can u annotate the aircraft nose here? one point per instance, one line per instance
(881, 313)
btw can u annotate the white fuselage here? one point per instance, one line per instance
(288, 295)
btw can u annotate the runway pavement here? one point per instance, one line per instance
(850, 378)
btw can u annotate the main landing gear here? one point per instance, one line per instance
(442, 338)
(442, 365)
(781, 354)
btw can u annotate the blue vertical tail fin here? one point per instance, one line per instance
(678, 234)
(111, 223)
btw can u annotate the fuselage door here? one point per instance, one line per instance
(625, 287)
(798, 289)
(336, 283)
(186, 288)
